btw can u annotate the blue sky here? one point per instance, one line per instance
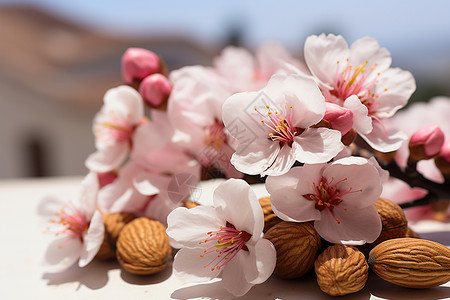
(414, 31)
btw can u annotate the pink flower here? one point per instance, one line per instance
(223, 239)
(272, 126)
(426, 142)
(195, 110)
(244, 72)
(363, 70)
(113, 127)
(138, 63)
(338, 197)
(79, 227)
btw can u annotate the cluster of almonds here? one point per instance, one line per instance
(398, 256)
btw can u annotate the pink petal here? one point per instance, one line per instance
(88, 197)
(357, 225)
(322, 54)
(360, 175)
(265, 261)
(236, 202)
(188, 227)
(108, 159)
(395, 87)
(256, 157)
(233, 278)
(317, 145)
(384, 139)
(283, 162)
(368, 49)
(125, 101)
(62, 253)
(361, 120)
(188, 266)
(92, 240)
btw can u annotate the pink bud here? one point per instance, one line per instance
(431, 137)
(137, 63)
(340, 118)
(155, 89)
(445, 151)
(442, 161)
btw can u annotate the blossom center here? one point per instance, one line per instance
(328, 196)
(229, 242)
(114, 128)
(357, 81)
(74, 223)
(215, 135)
(281, 125)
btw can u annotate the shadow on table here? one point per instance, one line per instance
(147, 279)
(442, 237)
(94, 275)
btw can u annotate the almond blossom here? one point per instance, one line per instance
(78, 226)
(195, 111)
(114, 126)
(362, 70)
(224, 239)
(338, 197)
(273, 126)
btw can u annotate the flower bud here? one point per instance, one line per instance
(339, 118)
(155, 89)
(137, 63)
(426, 142)
(442, 161)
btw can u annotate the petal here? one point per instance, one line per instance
(236, 202)
(125, 101)
(92, 240)
(361, 120)
(368, 49)
(384, 139)
(237, 65)
(286, 193)
(233, 278)
(357, 176)
(62, 253)
(256, 157)
(107, 159)
(357, 225)
(145, 183)
(265, 261)
(188, 266)
(322, 54)
(395, 87)
(283, 162)
(317, 145)
(88, 197)
(188, 227)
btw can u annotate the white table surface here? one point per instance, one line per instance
(23, 244)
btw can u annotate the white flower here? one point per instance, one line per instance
(361, 70)
(114, 126)
(339, 198)
(272, 126)
(223, 239)
(79, 227)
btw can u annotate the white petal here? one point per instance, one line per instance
(322, 54)
(357, 226)
(188, 266)
(256, 157)
(233, 278)
(88, 197)
(286, 193)
(92, 240)
(237, 203)
(395, 87)
(368, 49)
(62, 253)
(283, 163)
(358, 176)
(265, 259)
(145, 183)
(384, 139)
(188, 227)
(125, 101)
(107, 159)
(361, 120)
(317, 145)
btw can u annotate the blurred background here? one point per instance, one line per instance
(58, 58)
